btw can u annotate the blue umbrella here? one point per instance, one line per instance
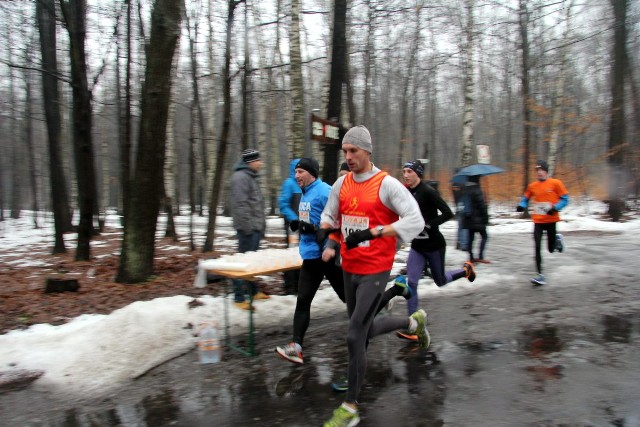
(476, 170)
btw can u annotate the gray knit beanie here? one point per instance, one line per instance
(360, 137)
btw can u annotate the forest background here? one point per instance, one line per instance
(146, 105)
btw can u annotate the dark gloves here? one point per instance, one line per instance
(520, 209)
(306, 228)
(323, 233)
(293, 225)
(552, 211)
(357, 237)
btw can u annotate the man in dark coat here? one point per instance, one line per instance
(247, 211)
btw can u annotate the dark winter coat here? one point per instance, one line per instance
(430, 202)
(246, 203)
(476, 214)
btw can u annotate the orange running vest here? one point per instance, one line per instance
(361, 208)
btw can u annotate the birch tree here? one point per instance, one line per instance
(469, 88)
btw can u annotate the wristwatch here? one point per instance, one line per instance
(379, 229)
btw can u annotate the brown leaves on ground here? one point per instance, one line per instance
(23, 302)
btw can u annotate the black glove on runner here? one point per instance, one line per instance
(552, 211)
(357, 237)
(323, 233)
(519, 209)
(293, 225)
(306, 228)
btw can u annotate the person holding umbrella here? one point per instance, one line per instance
(549, 196)
(476, 217)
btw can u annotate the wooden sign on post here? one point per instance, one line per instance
(325, 131)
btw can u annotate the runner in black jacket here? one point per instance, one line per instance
(429, 247)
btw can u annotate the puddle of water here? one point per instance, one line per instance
(540, 342)
(617, 328)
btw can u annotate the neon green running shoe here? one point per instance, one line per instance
(342, 417)
(424, 339)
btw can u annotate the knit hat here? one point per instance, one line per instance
(310, 165)
(344, 167)
(416, 166)
(250, 155)
(360, 137)
(541, 164)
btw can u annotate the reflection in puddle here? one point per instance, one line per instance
(617, 329)
(541, 374)
(540, 342)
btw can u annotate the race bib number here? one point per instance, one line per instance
(541, 208)
(304, 216)
(352, 223)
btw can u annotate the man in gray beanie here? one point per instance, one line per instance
(369, 209)
(360, 137)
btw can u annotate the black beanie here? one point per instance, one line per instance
(310, 165)
(250, 155)
(416, 166)
(542, 165)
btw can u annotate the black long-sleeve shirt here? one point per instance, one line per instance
(430, 203)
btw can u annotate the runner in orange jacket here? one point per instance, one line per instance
(546, 197)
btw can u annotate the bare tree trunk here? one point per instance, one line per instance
(368, 64)
(334, 109)
(559, 95)
(74, 12)
(170, 166)
(297, 134)
(408, 79)
(617, 124)
(224, 137)
(469, 90)
(526, 112)
(16, 190)
(29, 141)
(246, 75)
(138, 244)
(46, 15)
(125, 123)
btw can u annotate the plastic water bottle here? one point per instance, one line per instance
(209, 350)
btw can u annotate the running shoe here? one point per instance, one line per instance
(406, 335)
(538, 280)
(559, 243)
(424, 339)
(261, 295)
(343, 417)
(244, 305)
(341, 384)
(291, 352)
(470, 272)
(402, 287)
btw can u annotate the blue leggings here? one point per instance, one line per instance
(435, 260)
